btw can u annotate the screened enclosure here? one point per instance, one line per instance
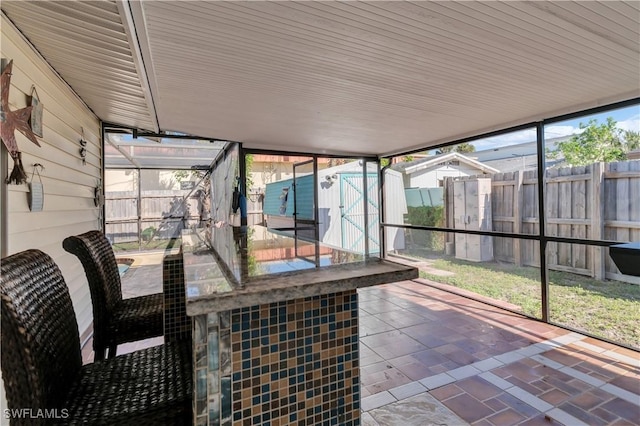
(155, 188)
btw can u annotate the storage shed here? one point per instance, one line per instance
(430, 172)
(340, 206)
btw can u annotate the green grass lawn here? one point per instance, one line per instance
(609, 309)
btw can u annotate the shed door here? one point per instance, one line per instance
(353, 212)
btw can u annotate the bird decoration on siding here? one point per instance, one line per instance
(10, 121)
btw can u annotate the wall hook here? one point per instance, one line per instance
(83, 149)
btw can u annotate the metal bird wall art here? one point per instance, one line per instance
(10, 121)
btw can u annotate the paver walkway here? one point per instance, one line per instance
(487, 365)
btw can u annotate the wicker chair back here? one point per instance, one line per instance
(100, 266)
(40, 343)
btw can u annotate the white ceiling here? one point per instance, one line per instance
(337, 77)
(87, 45)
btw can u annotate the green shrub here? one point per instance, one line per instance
(427, 216)
(147, 233)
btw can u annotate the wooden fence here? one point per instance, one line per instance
(600, 201)
(161, 210)
(255, 215)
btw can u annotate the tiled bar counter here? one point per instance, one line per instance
(275, 327)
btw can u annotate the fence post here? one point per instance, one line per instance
(597, 219)
(448, 209)
(517, 216)
(139, 208)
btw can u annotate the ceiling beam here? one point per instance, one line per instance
(125, 10)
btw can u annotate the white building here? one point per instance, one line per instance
(522, 156)
(430, 172)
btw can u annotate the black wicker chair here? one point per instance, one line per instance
(42, 366)
(115, 320)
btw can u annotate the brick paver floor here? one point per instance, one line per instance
(429, 356)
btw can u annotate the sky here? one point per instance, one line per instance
(626, 118)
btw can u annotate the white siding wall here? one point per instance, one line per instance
(68, 184)
(395, 208)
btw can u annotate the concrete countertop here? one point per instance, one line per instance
(230, 268)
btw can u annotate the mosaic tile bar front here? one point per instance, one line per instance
(292, 362)
(177, 325)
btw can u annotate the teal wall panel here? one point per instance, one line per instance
(274, 201)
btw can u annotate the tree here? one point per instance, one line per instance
(181, 175)
(248, 164)
(463, 148)
(598, 143)
(384, 162)
(632, 139)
